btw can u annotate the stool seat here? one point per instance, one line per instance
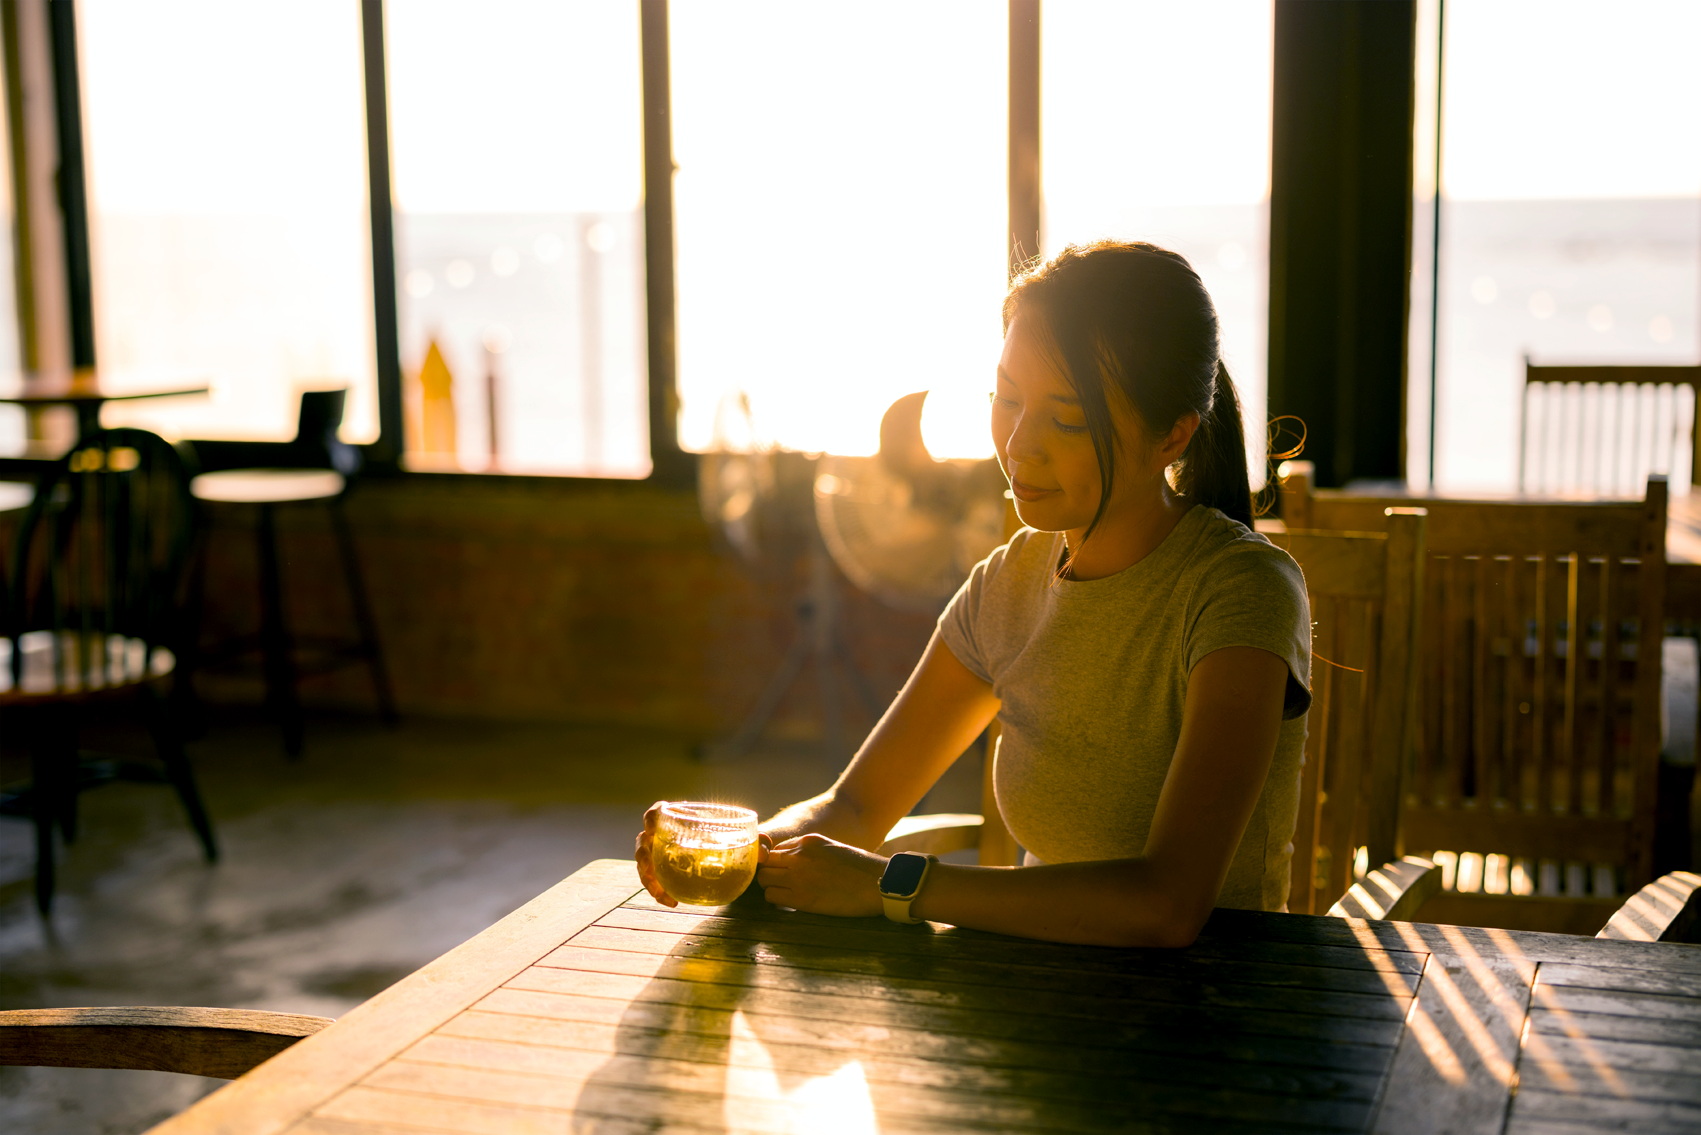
(15, 495)
(267, 486)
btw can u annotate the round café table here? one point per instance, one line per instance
(86, 396)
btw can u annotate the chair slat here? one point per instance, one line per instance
(1573, 741)
(1607, 686)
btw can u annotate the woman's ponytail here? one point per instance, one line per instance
(1213, 471)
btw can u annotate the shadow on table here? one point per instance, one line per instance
(728, 1034)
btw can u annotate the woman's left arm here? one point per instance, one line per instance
(1229, 727)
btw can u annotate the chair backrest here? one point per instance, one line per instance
(1538, 731)
(316, 428)
(1605, 429)
(1365, 610)
(99, 554)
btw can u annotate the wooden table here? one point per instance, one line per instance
(86, 396)
(591, 1009)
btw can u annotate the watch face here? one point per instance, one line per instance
(903, 873)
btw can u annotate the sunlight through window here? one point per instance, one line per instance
(228, 209)
(1156, 126)
(1570, 230)
(840, 208)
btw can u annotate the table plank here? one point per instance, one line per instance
(1650, 980)
(1458, 1055)
(935, 941)
(1092, 1074)
(283, 1089)
(1548, 1047)
(764, 1098)
(1671, 957)
(1298, 1044)
(1598, 1113)
(1182, 990)
(643, 952)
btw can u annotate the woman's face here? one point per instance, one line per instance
(1040, 435)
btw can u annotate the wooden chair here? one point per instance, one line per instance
(1365, 606)
(1604, 429)
(94, 616)
(201, 1042)
(1666, 910)
(1537, 756)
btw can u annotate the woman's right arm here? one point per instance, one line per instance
(936, 716)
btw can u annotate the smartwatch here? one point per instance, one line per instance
(901, 883)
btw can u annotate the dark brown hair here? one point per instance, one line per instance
(1137, 315)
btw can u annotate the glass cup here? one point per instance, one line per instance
(704, 854)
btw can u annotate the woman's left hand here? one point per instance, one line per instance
(822, 876)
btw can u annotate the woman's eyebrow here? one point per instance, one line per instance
(1066, 399)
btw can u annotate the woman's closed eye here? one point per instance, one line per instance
(1067, 428)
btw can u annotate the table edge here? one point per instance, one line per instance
(287, 1088)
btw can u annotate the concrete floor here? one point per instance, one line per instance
(340, 874)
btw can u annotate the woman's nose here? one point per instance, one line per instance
(1022, 444)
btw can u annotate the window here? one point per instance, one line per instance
(12, 429)
(840, 211)
(1570, 218)
(516, 142)
(1171, 145)
(228, 209)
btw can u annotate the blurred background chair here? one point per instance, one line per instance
(224, 1043)
(1365, 603)
(1602, 430)
(95, 615)
(1536, 774)
(316, 467)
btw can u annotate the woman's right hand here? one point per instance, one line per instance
(641, 853)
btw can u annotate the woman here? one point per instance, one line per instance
(1146, 653)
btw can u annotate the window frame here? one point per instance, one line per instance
(671, 466)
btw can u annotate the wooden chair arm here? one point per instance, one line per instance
(934, 834)
(1666, 910)
(1394, 890)
(202, 1042)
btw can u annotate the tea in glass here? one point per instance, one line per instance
(704, 854)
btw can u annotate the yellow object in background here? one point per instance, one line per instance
(435, 434)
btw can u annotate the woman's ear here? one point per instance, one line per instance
(1176, 441)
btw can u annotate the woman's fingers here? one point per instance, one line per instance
(641, 853)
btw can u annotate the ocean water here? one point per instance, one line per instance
(1562, 282)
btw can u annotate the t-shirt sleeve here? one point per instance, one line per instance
(963, 626)
(1256, 597)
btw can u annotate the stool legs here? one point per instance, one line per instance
(168, 744)
(369, 647)
(277, 652)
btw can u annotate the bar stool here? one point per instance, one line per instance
(326, 465)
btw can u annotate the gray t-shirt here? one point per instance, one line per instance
(1093, 679)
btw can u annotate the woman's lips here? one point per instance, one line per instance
(1028, 492)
